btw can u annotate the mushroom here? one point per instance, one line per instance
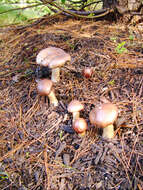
(45, 88)
(104, 116)
(75, 107)
(80, 126)
(87, 72)
(54, 58)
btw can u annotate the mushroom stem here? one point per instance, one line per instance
(75, 116)
(55, 74)
(82, 134)
(108, 132)
(53, 99)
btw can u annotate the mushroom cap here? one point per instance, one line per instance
(80, 125)
(52, 57)
(75, 106)
(87, 72)
(44, 87)
(103, 115)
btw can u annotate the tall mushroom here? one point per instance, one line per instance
(45, 88)
(104, 116)
(75, 107)
(53, 58)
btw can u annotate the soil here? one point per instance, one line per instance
(38, 148)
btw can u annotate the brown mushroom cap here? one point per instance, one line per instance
(87, 72)
(103, 115)
(44, 87)
(75, 106)
(52, 57)
(80, 125)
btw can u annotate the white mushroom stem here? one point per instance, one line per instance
(75, 116)
(55, 74)
(108, 132)
(53, 99)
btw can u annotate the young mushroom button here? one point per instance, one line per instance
(53, 58)
(104, 116)
(45, 88)
(80, 126)
(75, 107)
(87, 72)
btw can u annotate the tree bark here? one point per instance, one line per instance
(129, 5)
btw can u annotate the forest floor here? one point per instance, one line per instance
(38, 148)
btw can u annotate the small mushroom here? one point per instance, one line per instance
(87, 72)
(45, 88)
(75, 107)
(104, 116)
(80, 126)
(53, 58)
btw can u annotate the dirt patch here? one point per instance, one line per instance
(38, 148)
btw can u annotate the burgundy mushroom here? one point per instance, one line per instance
(80, 126)
(87, 72)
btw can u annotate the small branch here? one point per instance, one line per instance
(76, 2)
(80, 14)
(89, 12)
(21, 8)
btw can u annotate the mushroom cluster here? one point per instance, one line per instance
(78, 124)
(54, 58)
(102, 116)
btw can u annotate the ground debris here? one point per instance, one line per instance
(38, 147)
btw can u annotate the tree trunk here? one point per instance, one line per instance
(129, 5)
(124, 6)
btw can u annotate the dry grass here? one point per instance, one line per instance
(38, 148)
